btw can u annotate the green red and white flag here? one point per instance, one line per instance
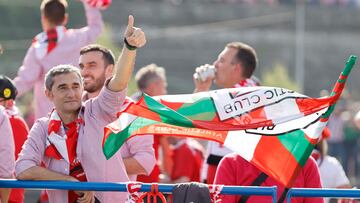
(273, 128)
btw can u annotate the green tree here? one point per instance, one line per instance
(278, 76)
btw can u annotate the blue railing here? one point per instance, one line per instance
(167, 188)
(121, 187)
(322, 192)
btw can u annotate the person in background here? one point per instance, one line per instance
(7, 149)
(336, 126)
(53, 46)
(19, 127)
(151, 80)
(351, 138)
(234, 67)
(96, 64)
(235, 170)
(331, 172)
(187, 158)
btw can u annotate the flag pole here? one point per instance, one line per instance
(343, 75)
(340, 83)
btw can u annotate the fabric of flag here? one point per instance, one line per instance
(273, 128)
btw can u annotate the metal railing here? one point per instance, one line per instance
(121, 187)
(322, 192)
(167, 188)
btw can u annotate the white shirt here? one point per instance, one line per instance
(332, 173)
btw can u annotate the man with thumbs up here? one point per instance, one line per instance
(69, 140)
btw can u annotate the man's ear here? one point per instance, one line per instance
(44, 22)
(151, 88)
(66, 19)
(109, 70)
(43, 18)
(238, 69)
(49, 94)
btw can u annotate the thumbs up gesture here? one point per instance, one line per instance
(134, 36)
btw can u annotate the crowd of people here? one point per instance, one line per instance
(78, 89)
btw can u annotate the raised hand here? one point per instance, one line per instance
(133, 35)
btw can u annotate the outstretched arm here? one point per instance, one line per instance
(125, 64)
(95, 25)
(29, 72)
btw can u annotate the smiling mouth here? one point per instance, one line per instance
(87, 79)
(71, 101)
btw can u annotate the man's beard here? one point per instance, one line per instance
(96, 86)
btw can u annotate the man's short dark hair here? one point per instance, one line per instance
(59, 70)
(107, 53)
(245, 55)
(54, 10)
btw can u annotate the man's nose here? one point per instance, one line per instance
(215, 64)
(84, 71)
(71, 92)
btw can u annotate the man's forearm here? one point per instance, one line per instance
(123, 70)
(133, 167)
(40, 173)
(133, 38)
(94, 21)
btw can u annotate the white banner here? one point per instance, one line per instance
(231, 103)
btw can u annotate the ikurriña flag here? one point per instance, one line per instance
(273, 128)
